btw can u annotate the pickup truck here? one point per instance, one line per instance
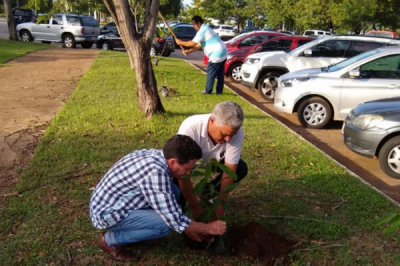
(70, 29)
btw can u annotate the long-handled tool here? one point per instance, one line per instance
(170, 30)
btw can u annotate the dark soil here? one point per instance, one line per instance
(252, 241)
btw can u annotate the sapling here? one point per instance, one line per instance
(218, 245)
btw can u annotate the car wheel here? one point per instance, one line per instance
(26, 36)
(153, 51)
(106, 46)
(87, 45)
(314, 112)
(235, 72)
(267, 85)
(46, 42)
(68, 41)
(389, 157)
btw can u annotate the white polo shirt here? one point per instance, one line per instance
(196, 127)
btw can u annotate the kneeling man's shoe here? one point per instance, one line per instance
(118, 252)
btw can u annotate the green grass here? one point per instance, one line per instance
(12, 49)
(49, 224)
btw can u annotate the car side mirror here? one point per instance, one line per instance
(354, 73)
(308, 52)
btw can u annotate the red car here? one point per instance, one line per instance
(248, 40)
(236, 58)
(383, 33)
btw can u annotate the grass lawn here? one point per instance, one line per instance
(49, 224)
(12, 49)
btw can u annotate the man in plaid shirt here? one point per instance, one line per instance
(136, 199)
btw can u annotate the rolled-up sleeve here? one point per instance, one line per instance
(157, 191)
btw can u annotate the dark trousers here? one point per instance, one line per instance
(241, 173)
(215, 71)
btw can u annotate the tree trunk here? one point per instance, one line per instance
(12, 32)
(138, 48)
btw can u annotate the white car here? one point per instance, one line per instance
(319, 95)
(261, 70)
(316, 33)
(224, 31)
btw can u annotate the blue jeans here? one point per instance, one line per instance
(215, 71)
(139, 225)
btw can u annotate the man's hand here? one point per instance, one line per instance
(217, 227)
(185, 52)
(195, 236)
(198, 213)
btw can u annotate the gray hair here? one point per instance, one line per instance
(228, 113)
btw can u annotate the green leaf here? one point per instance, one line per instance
(227, 170)
(393, 228)
(387, 219)
(210, 211)
(200, 186)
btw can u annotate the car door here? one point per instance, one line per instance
(56, 28)
(322, 54)
(41, 29)
(379, 78)
(117, 42)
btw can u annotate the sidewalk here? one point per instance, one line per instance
(33, 89)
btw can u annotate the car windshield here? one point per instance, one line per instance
(352, 60)
(236, 38)
(227, 28)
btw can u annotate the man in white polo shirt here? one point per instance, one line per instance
(220, 135)
(215, 50)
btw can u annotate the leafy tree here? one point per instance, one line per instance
(387, 13)
(353, 15)
(138, 48)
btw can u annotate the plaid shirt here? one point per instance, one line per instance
(139, 180)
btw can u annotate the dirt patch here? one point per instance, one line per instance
(33, 89)
(251, 241)
(254, 241)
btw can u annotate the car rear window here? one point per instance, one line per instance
(89, 22)
(21, 12)
(73, 21)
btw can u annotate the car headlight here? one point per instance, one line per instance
(229, 57)
(366, 121)
(291, 82)
(252, 60)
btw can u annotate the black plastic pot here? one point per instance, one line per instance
(220, 245)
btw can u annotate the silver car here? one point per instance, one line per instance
(70, 29)
(373, 129)
(319, 95)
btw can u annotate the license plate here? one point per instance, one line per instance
(94, 38)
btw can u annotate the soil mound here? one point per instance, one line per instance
(253, 240)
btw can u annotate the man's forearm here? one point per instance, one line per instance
(187, 191)
(225, 182)
(193, 49)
